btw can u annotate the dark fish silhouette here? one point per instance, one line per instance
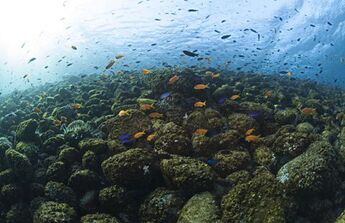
(225, 36)
(190, 54)
(32, 59)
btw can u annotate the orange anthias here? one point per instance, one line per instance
(200, 86)
(200, 104)
(155, 115)
(308, 111)
(173, 79)
(146, 107)
(252, 138)
(235, 97)
(146, 71)
(201, 131)
(138, 135)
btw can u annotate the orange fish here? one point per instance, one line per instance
(200, 104)
(123, 113)
(308, 111)
(252, 138)
(76, 105)
(200, 86)
(37, 110)
(250, 131)
(235, 97)
(146, 71)
(268, 93)
(155, 115)
(138, 135)
(151, 137)
(201, 131)
(173, 79)
(146, 107)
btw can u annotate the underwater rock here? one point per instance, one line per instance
(88, 202)
(77, 131)
(260, 200)
(26, 130)
(135, 122)
(173, 144)
(242, 122)
(289, 145)
(161, 205)
(57, 171)
(133, 168)
(65, 111)
(52, 144)
(19, 213)
(6, 177)
(286, 116)
(341, 218)
(226, 140)
(112, 198)
(12, 193)
(312, 172)
(98, 218)
(263, 156)
(239, 177)
(59, 192)
(90, 161)
(4, 145)
(188, 174)
(20, 165)
(222, 91)
(200, 208)
(231, 161)
(69, 155)
(30, 150)
(208, 119)
(98, 146)
(50, 211)
(84, 180)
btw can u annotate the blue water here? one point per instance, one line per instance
(266, 36)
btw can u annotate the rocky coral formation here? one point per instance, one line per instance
(138, 148)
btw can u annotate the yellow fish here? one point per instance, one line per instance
(250, 131)
(123, 113)
(201, 131)
(200, 86)
(200, 104)
(151, 137)
(215, 75)
(119, 56)
(146, 71)
(138, 135)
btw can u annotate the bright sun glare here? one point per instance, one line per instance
(27, 21)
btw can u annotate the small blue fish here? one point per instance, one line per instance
(212, 162)
(165, 95)
(221, 100)
(254, 114)
(125, 138)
